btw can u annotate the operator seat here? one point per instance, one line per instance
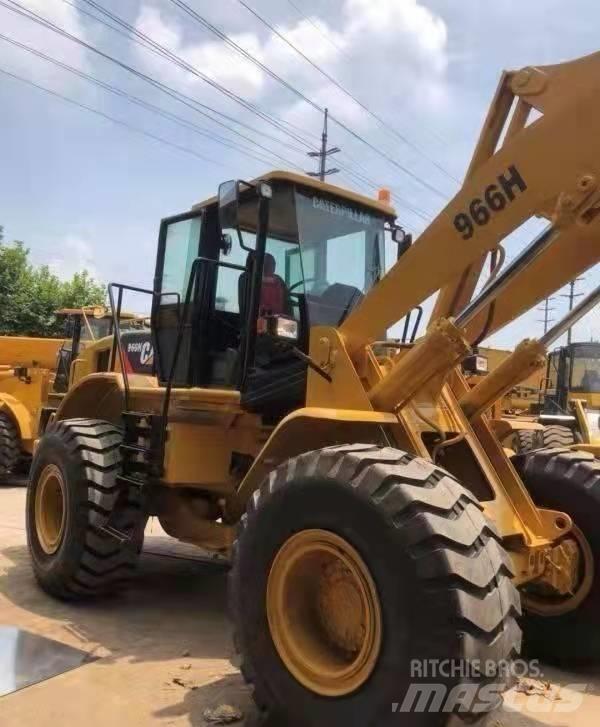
(335, 304)
(276, 384)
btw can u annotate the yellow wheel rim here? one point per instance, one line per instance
(50, 509)
(324, 613)
(560, 605)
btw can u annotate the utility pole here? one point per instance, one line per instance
(323, 154)
(571, 295)
(547, 310)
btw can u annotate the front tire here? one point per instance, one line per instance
(72, 493)
(442, 579)
(567, 630)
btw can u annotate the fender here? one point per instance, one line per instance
(306, 429)
(96, 396)
(18, 412)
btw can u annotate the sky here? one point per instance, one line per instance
(87, 189)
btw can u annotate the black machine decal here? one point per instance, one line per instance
(139, 351)
(494, 199)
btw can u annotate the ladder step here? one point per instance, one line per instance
(131, 481)
(137, 448)
(114, 533)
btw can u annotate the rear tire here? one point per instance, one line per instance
(72, 493)
(10, 447)
(442, 575)
(569, 481)
(555, 435)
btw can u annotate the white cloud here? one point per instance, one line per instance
(32, 34)
(212, 58)
(380, 49)
(76, 255)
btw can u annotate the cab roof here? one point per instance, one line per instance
(310, 182)
(94, 311)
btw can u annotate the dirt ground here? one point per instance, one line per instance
(163, 649)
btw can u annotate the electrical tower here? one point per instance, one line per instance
(323, 154)
(547, 320)
(571, 295)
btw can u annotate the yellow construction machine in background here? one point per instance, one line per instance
(35, 374)
(26, 366)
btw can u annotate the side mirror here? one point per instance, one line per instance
(229, 205)
(402, 239)
(229, 214)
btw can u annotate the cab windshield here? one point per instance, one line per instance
(339, 258)
(585, 370)
(327, 250)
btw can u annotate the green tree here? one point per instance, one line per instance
(30, 295)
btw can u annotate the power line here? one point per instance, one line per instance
(125, 124)
(252, 59)
(318, 29)
(182, 98)
(433, 133)
(169, 55)
(191, 103)
(179, 120)
(344, 90)
(44, 22)
(145, 44)
(371, 185)
(149, 44)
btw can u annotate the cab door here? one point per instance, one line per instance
(179, 244)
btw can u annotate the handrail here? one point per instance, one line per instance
(116, 316)
(405, 339)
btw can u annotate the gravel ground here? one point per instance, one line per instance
(163, 649)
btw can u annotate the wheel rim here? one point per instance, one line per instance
(324, 613)
(558, 606)
(50, 509)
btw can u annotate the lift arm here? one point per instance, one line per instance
(549, 168)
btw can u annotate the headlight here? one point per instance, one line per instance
(481, 364)
(475, 364)
(285, 328)
(279, 327)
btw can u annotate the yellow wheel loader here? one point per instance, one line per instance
(35, 373)
(25, 364)
(568, 401)
(381, 541)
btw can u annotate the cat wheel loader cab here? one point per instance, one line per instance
(570, 406)
(84, 328)
(371, 514)
(269, 261)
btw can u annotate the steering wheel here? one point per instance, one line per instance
(300, 282)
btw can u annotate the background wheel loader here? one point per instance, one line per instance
(35, 373)
(568, 406)
(371, 514)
